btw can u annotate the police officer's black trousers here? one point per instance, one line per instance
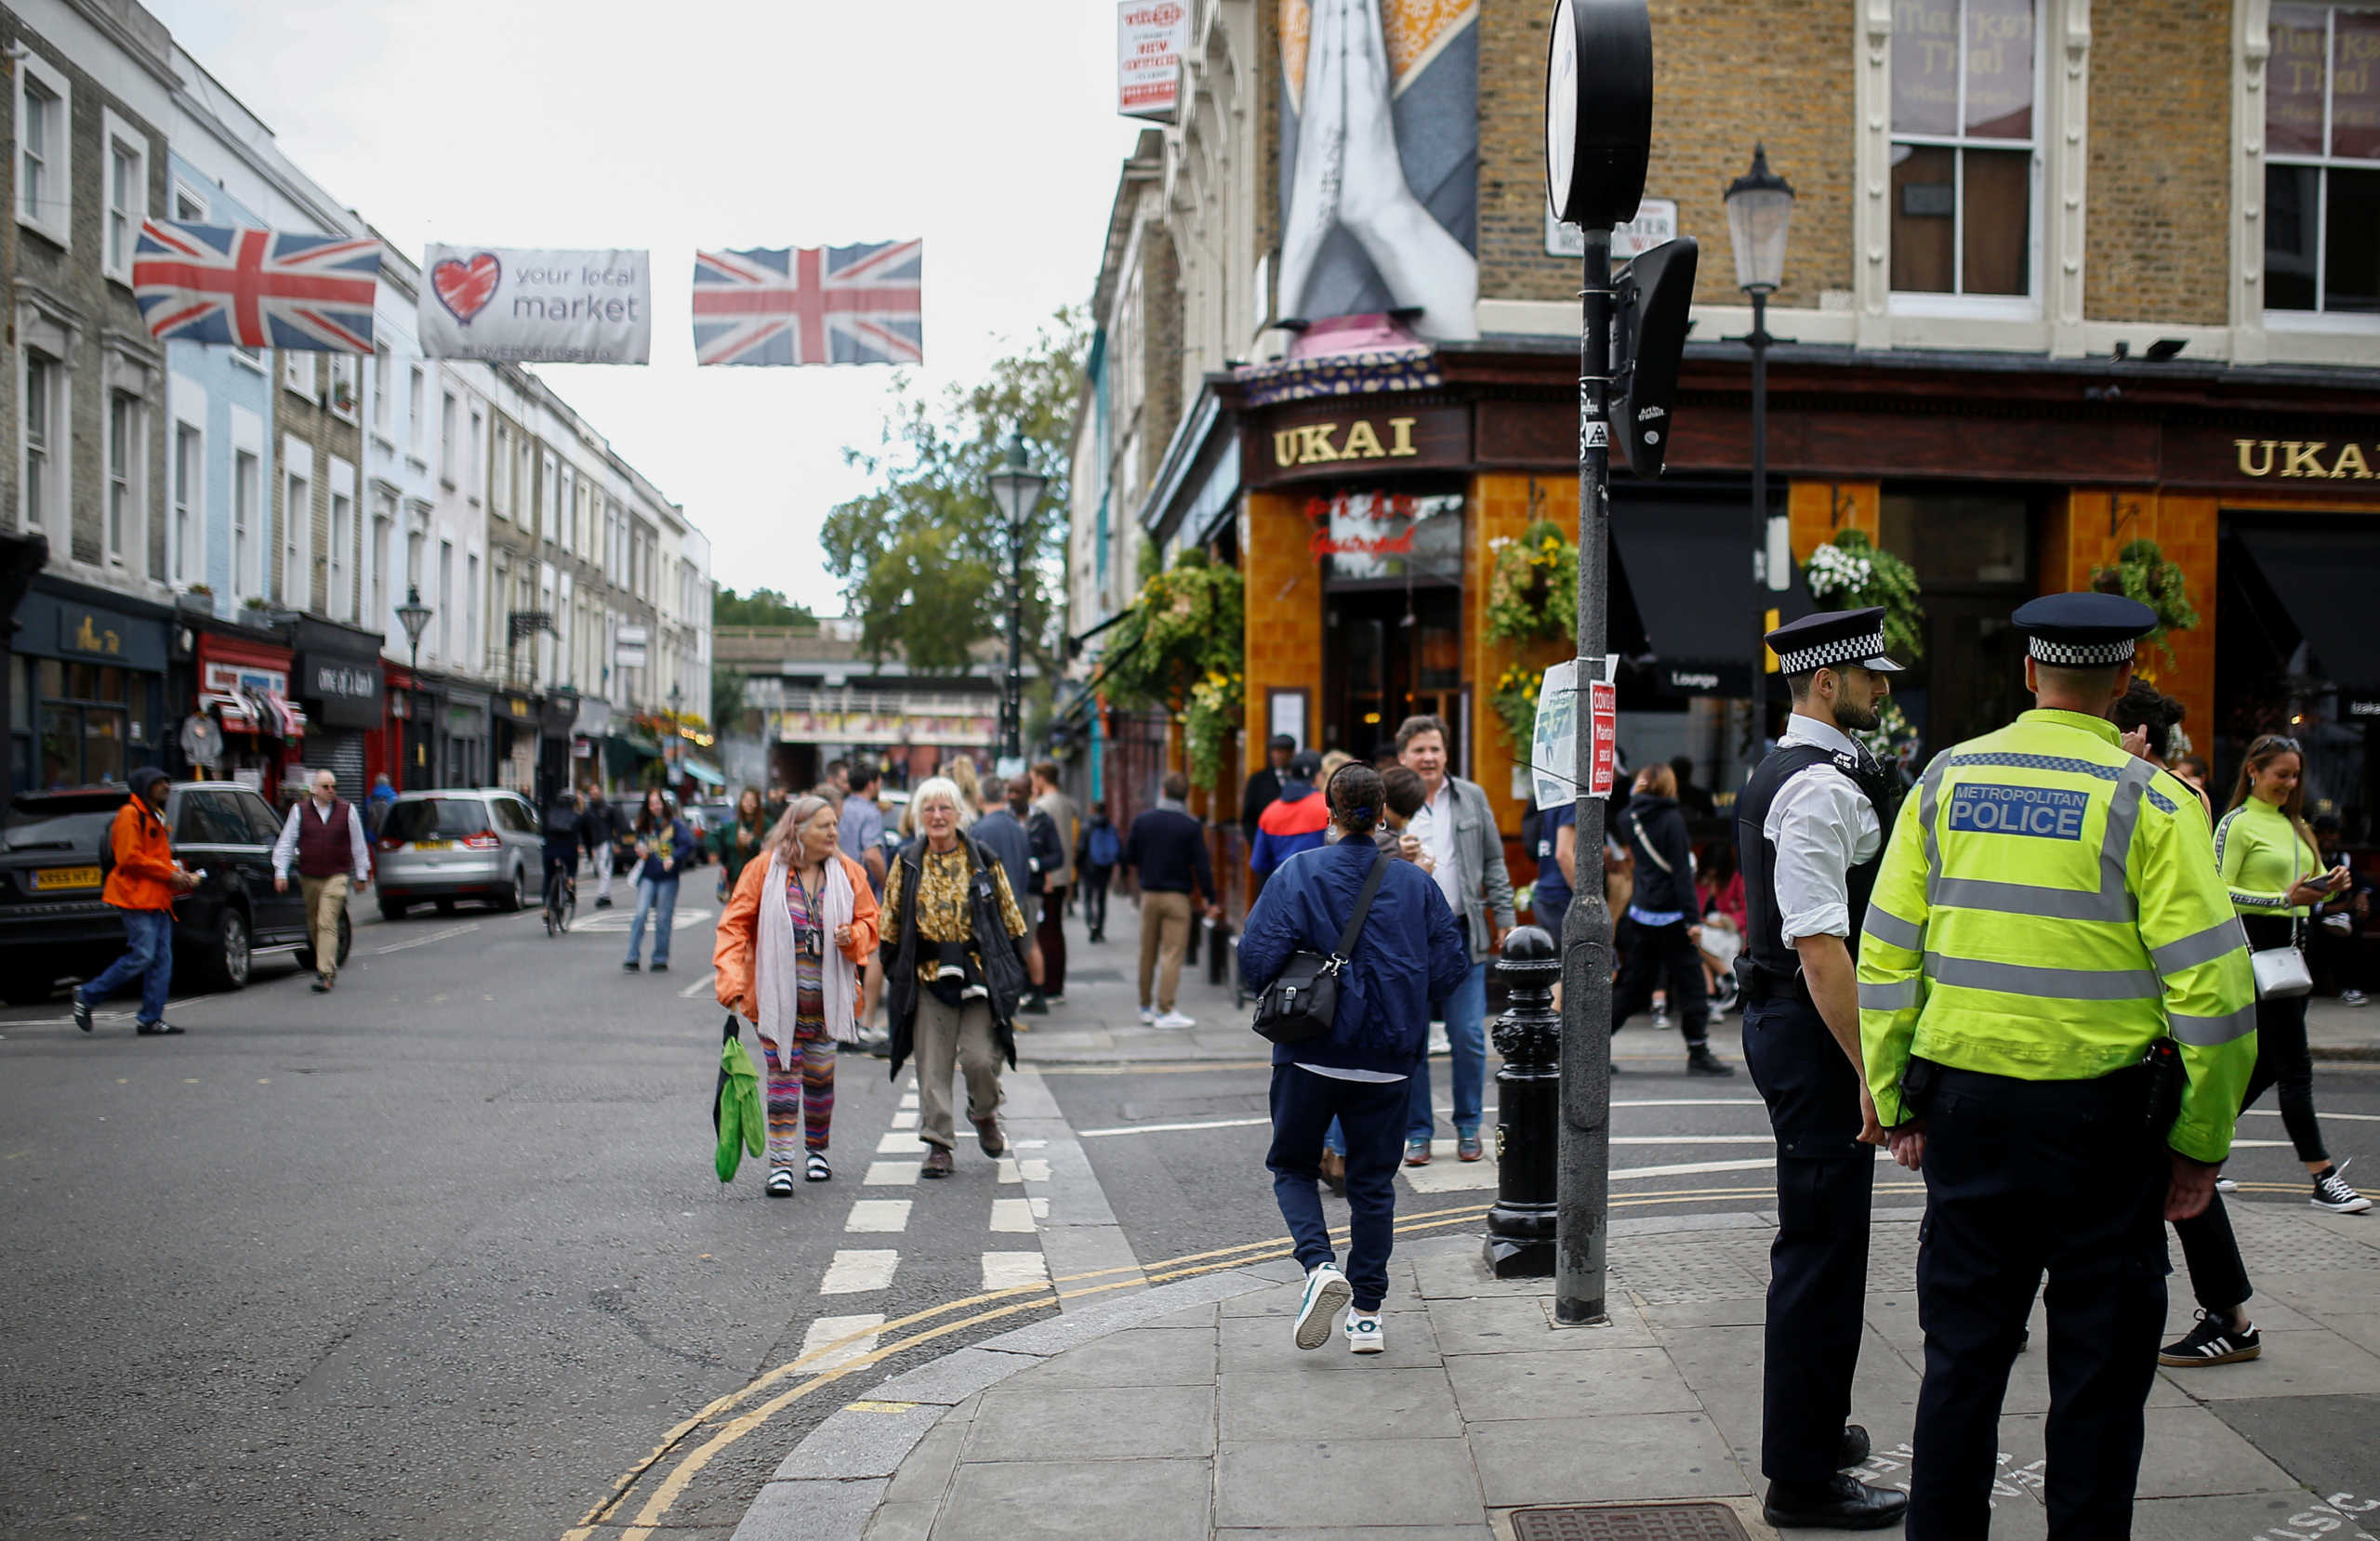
(1818, 1268)
(2023, 1178)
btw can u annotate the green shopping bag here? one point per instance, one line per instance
(735, 1112)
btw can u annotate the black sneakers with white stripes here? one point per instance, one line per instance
(2214, 1342)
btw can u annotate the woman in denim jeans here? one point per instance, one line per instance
(665, 849)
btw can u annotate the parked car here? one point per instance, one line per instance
(54, 859)
(480, 843)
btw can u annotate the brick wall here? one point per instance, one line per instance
(1160, 351)
(1726, 74)
(2157, 242)
(2077, 536)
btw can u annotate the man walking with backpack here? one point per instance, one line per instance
(144, 882)
(1096, 855)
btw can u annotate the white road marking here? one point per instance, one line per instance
(902, 1141)
(1692, 1167)
(908, 1099)
(1009, 1270)
(904, 1118)
(856, 1273)
(426, 941)
(885, 1216)
(1688, 1102)
(619, 919)
(2351, 1117)
(1023, 1169)
(1012, 1214)
(1172, 1128)
(891, 1174)
(700, 987)
(826, 1329)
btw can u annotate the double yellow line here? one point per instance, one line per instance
(995, 1305)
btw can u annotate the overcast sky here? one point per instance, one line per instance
(989, 129)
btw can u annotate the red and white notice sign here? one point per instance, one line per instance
(1151, 37)
(1604, 698)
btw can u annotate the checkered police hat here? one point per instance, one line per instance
(2082, 631)
(1831, 639)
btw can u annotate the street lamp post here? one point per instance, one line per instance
(415, 617)
(1760, 208)
(677, 738)
(1016, 490)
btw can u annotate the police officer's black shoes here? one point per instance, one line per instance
(1840, 1503)
(1700, 1061)
(1854, 1448)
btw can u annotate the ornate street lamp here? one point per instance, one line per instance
(1760, 210)
(415, 617)
(1016, 490)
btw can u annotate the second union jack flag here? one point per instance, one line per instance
(811, 305)
(253, 289)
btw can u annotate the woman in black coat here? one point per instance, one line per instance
(1665, 952)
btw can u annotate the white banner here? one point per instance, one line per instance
(509, 305)
(1150, 36)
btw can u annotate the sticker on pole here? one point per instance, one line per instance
(1595, 434)
(1605, 698)
(1554, 746)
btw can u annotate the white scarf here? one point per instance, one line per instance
(774, 977)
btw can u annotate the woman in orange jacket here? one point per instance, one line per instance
(801, 921)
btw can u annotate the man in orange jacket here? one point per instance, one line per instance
(142, 886)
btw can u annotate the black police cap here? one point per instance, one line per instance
(2082, 631)
(1830, 639)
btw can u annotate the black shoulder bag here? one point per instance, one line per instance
(1303, 1002)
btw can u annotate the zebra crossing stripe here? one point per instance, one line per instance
(891, 1174)
(857, 1271)
(1012, 1270)
(828, 1329)
(1014, 1215)
(888, 1215)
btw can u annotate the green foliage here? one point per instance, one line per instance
(1185, 628)
(1213, 715)
(1533, 594)
(2142, 572)
(1852, 572)
(727, 687)
(924, 556)
(1516, 703)
(763, 607)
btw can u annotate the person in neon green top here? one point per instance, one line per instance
(2046, 916)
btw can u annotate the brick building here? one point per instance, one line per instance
(2061, 277)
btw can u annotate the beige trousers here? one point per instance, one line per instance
(948, 1035)
(1165, 935)
(325, 898)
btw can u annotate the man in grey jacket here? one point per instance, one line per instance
(1464, 852)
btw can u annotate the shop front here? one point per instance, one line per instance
(516, 728)
(87, 686)
(557, 719)
(589, 725)
(465, 727)
(243, 726)
(338, 679)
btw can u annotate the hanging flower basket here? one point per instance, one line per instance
(1516, 703)
(1852, 572)
(2142, 572)
(1533, 588)
(1212, 716)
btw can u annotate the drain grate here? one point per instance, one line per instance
(1632, 1523)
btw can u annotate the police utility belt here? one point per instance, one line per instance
(2155, 1083)
(1757, 983)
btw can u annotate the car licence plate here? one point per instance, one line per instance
(433, 844)
(66, 877)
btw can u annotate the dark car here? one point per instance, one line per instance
(54, 859)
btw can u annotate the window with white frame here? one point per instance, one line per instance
(415, 540)
(187, 561)
(447, 463)
(471, 607)
(384, 519)
(297, 542)
(384, 389)
(125, 442)
(447, 600)
(346, 377)
(416, 420)
(44, 411)
(247, 484)
(2322, 159)
(189, 205)
(500, 495)
(338, 602)
(1964, 135)
(126, 191)
(474, 464)
(45, 128)
(549, 503)
(298, 371)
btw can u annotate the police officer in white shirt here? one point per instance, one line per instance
(1810, 827)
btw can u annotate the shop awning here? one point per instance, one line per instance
(267, 712)
(702, 772)
(232, 707)
(1688, 567)
(284, 714)
(2326, 592)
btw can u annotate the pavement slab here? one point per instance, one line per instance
(1635, 1458)
(1147, 1500)
(1287, 1404)
(1347, 1482)
(1094, 1423)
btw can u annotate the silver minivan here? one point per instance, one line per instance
(478, 842)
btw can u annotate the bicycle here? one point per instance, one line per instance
(562, 898)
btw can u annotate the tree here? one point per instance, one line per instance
(924, 556)
(763, 607)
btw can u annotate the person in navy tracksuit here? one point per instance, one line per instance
(1410, 954)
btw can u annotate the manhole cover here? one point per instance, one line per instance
(1635, 1522)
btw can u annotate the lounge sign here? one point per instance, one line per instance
(1341, 442)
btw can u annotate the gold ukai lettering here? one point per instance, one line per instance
(2301, 461)
(2351, 464)
(1400, 438)
(2245, 447)
(1286, 441)
(1363, 442)
(1316, 445)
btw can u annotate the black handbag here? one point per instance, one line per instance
(1303, 1002)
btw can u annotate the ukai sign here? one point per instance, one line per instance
(1341, 442)
(2317, 459)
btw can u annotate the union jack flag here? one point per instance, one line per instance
(253, 288)
(811, 305)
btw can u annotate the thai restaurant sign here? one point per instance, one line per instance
(1151, 37)
(1330, 441)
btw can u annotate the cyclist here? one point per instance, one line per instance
(562, 852)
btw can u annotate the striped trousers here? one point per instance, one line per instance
(800, 1094)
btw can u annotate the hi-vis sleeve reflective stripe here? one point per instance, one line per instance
(2200, 954)
(1892, 950)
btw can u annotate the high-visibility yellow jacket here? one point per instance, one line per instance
(2048, 907)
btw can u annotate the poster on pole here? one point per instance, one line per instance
(1150, 36)
(514, 305)
(1554, 746)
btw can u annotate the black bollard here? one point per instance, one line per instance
(1529, 1111)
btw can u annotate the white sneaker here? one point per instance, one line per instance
(2225, 1185)
(1327, 1293)
(1149, 1017)
(1176, 1019)
(1364, 1334)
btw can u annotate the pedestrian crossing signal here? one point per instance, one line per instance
(1653, 293)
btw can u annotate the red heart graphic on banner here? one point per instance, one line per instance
(465, 287)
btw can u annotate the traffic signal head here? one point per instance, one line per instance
(1655, 293)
